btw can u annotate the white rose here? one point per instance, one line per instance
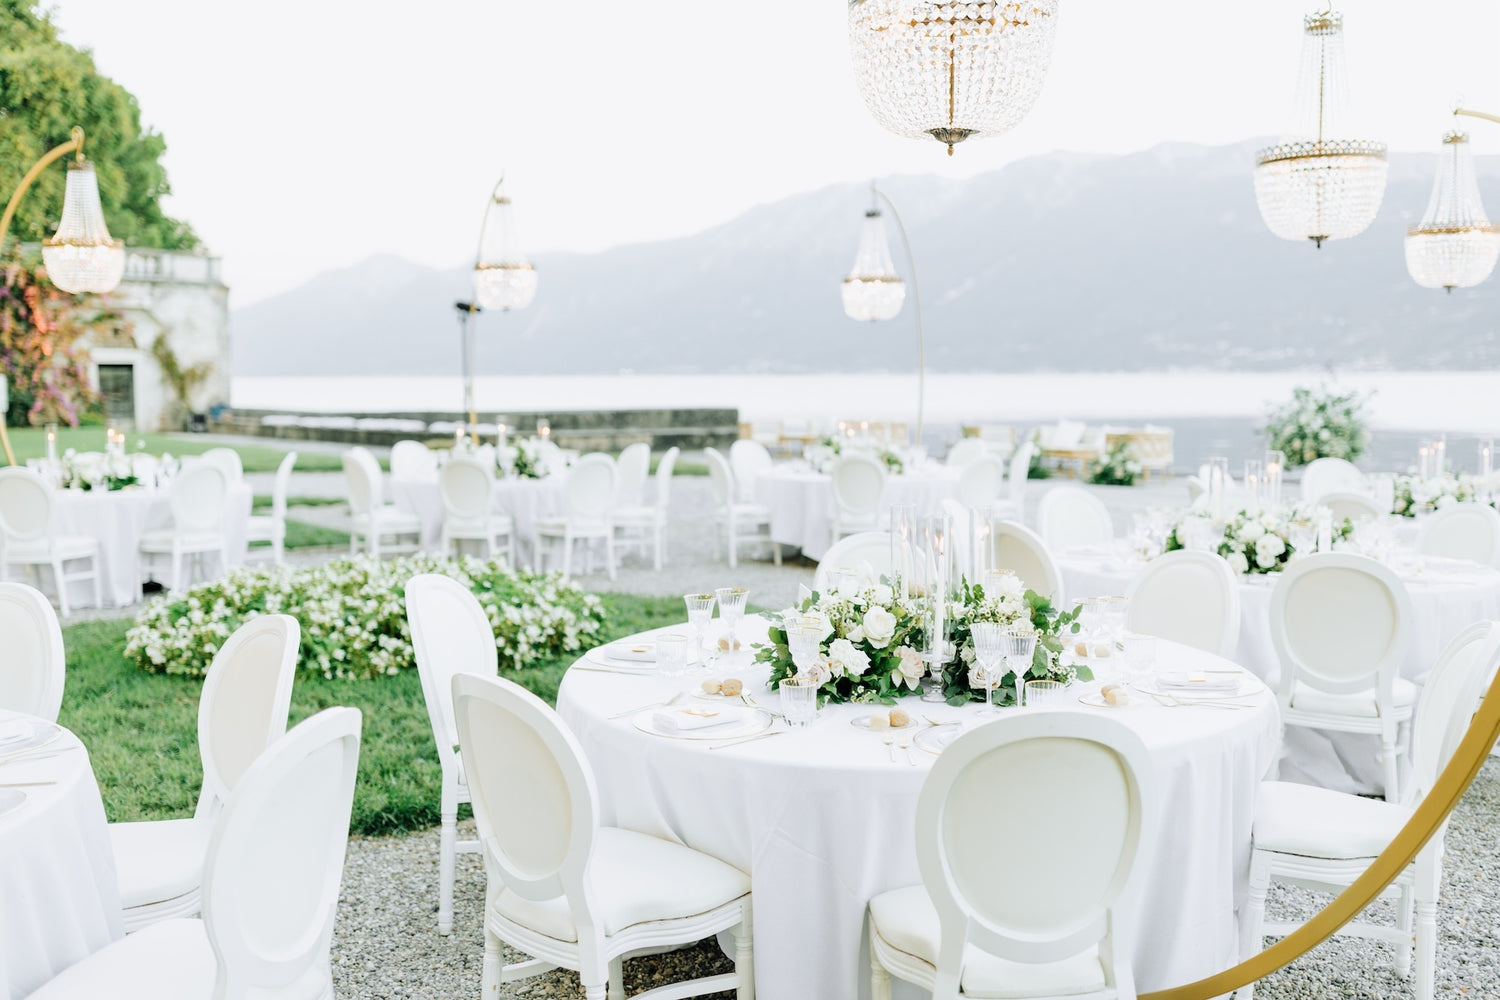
(856, 634)
(880, 627)
(881, 594)
(1251, 531)
(845, 659)
(1238, 562)
(1268, 548)
(912, 668)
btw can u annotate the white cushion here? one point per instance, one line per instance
(1320, 823)
(635, 878)
(160, 540)
(166, 961)
(391, 520)
(42, 550)
(907, 921)
(1360, 704)
(578, 526)
(158, 860)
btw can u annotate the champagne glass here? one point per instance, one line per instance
(804, 638)
(731, 610)
(989, 653)
(700, 608)
(1018, 646)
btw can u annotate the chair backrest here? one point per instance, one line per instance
(589, 491)
(1339, 623)
(413, 461)
(1088, 782)
(966, 450)
(720, 476)
(362, 475)
(1355, 507)
(858, 483)
(1462, 531)
(981, 481)
(1019, 472)
(247, 694)
(1187, 597)
(198, 498)
(631, 470)
(25, 505)
(276, 859)
(749, 459)
(282, 485)
(1070, 516)
(1020, 550)
(533, 792)
(1449, 696)
(32, 669)
(664, 471)
(450, 634)
(227, 461)
(868, 552)
(467, 486)
(1330, 475)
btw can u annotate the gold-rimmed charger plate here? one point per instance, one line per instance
(757, 721)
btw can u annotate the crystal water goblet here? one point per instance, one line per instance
(700, 608)
(989, 655)
(804, 638)
(671, 654)
(731, 610)
(1018, 647)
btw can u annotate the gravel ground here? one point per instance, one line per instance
(386, 942)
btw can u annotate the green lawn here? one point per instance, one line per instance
(31, 442)
(262, 501)
(141, 729)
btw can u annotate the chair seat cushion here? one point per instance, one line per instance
(576, 526)
(158, 860)
(160, 540)
(1360, 705)
(390, 520)
(495, 524)
(1319, 823)
(170, 959)
(907, 921)
(752, 512)
(636, 516)
(635, 878)
(43, 550)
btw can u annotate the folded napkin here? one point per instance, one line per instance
(1191, 680)
(15, 731)
(682, 720)
(641, 652)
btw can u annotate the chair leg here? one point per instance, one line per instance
(98, 580)
(617, 979)
(447, 842)
(510, 549)
(595, 991)
(744, 958)
(1426, 949)
(176, 572)
(775, 547)
(734, 543)
(1254, 917)
(567, 559)
(61, 583)
(489, 977)
(609, 553)
(1389, 762)
(660, 532)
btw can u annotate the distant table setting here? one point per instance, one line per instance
(822, 816)
(801, 500)
(526, 500)
(58, 897)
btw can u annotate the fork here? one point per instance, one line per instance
(890, 748)
(905, 744)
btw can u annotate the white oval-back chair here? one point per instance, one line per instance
(1330, 475)
(227, 461)
(588, 500)
(1012, 505)
(966, 450)
(645, 524)
(1018, 549)
(631, 471)
(1070, 516)
(413, 461)
(1187, 597)
(981, 482)
(32, 670)
(858, 485)
(743, 522)
(272, 527)
(866, 553)
(376, 526)
(199, 498)
(467, 487)
(27, 538)
(1354, 507)
(750, 460)
(1468, 531)
(975, 928)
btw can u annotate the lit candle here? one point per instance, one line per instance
(51, 446)
(458, 437)
(1424, 466)
(1274, 462)
(500, 434)
(1440, 455)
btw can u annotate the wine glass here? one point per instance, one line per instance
(804, 638)
(731, 610)
(1018, 645)
(989, 654)
(700, 608)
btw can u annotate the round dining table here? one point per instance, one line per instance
(58, 897)
(823, 818)
(801, 501)
(118, 518)
(1447, 596)
(527, 501)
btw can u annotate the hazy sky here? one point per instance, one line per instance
(308, 135)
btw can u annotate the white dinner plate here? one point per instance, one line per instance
(756, 721)
(700, 693)
(1191, 695)
(599, 657)
(935, 739)
(862, 723)
(1095, 699)
(643, 651)
(10, 800)
(43, 734)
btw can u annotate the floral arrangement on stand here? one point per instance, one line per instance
(822, 455)
(1253, 543)
(96, 470)
(1413, 492)
(353, 615)
(1319, 423)
(869, 650)
(532, 458)
(1118, 467)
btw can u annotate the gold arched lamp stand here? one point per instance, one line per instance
(75, 144)
(1451, 785)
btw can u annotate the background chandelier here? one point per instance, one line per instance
(503, 278)
(1316, 183)
(950, 70)
(1455, 246)
(81, 256)
(873, 290)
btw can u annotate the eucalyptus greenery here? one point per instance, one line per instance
(1319, 423)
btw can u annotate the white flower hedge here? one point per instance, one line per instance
(353, 615)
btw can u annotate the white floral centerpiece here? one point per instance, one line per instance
(1255, 542)
(1414, 492)
(97, 470)
(823, 455)
(870, 641)
(1319, 423)
(532, 458)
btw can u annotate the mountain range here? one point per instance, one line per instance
(1148, 261)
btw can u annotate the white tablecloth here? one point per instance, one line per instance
(822, 821)
(118, 519)
(1447, 596)
(525, 500)
(58, 897)
(801, 502)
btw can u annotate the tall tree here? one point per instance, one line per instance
(46, 87)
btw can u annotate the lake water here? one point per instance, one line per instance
(1212, 412)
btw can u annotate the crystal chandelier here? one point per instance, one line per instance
(873, 290)
(950, 70)
(81, 256)
(1317, 184)
(503, 278)
(1455, 246)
